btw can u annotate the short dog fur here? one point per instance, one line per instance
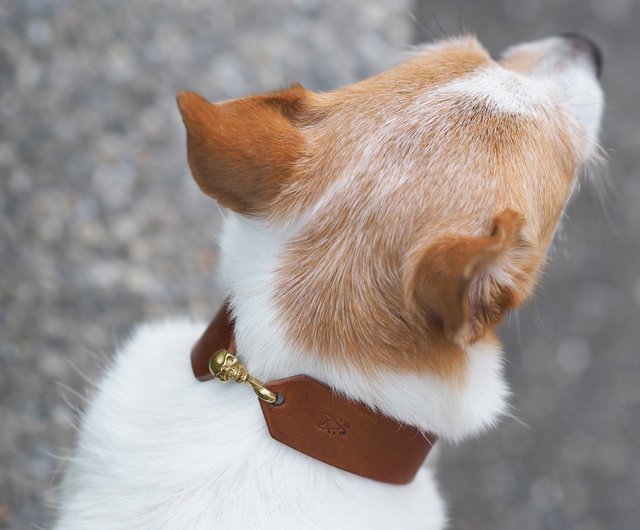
(375, 237)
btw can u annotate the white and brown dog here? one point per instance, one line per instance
(376, 236)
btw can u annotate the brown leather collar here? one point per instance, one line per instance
(322, 424)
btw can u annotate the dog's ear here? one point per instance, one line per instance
(466, 284)
(243, 152)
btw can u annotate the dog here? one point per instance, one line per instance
(375, 237)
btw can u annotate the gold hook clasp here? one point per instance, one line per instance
(225, 366)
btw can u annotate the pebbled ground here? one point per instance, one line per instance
(101, 227)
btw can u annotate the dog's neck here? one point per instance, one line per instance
(453, 409)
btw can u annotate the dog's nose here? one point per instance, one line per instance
(581, 44)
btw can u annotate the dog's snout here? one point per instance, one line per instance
(585, 45)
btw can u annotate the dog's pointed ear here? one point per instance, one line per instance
(243, 152)
(464, 285)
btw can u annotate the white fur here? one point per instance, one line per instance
(500, 89)
(158, 449)
(568, 78)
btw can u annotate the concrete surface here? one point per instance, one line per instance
(101, 227)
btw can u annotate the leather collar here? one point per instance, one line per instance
(315, 420)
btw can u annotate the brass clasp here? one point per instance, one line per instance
(225, 366)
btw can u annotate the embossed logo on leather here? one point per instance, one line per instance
(333, 425)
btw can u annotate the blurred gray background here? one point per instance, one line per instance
(101, 227)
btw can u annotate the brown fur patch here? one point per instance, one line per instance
(522, 61)
(396, 167)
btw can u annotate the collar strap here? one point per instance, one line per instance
(313, 419)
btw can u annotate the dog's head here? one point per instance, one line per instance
(414, 208)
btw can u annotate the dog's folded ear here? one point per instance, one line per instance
(243, 152)
(464, 285)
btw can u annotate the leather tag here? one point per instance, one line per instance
(349, 435)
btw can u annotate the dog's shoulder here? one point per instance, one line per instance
(152, 434)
